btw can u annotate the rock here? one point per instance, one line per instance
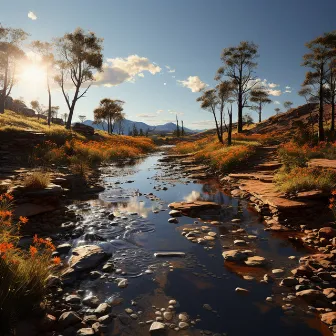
(122, 283)
(278, 271)
(289, 282)
(311, 295)
(68, 318)
(85, 332)
(183, 325)
(73, 299)
(86, 257)
(329, 318)
(63, 248)
(102, 309)
(169, 254)
(105, 319)
(239, 242)
(157, 328)
(172, 302)
(175, 213)
(173, 220)
(167, 316)
(327, 232)
(235, 220)
(330, 293)
(207, 307)
(53, 281)
(91, 301)
(108, 267)
(31, 209)
(183, 317)
(242, 290)
(256, 261)
(303, 270)
(234, 255)
(90, 319)
(196, 205)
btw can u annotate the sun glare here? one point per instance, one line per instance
(33, 74)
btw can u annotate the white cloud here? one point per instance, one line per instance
(173, 76)
(274, 92)
(159, 111)
(287, 87)
(32, 15)
(276, 102)
(176, 113)
(269, 87)
(288, 91)
(120, 70)
(193, 83)
(146, 115)
(164, 83)
(169, 69)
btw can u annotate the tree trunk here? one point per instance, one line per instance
(260, 112)
(49, 101)
(4, 90)
(230, 129)
(332, 126)
(71, 111)
(321, 108)
(240, 113)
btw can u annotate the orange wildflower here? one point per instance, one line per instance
(32, 250)
(23, 220)
(56, 260)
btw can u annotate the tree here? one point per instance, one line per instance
(177, 128)
(182, 129)
(247, 119)
(213, 100)
(135, 131)
(79, 54)
(331, 89)
(109, 110)
(54, 111)
(10, 54)
(260, 97)
(141, 133)
(317, 59)
(65, 117)
(82, 118)
(44, 49)
(239, 64)
(287, 105)
(147, 132)
(277, 110)
(35, 105)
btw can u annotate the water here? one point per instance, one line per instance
(135, 195)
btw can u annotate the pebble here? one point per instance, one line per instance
(167, 316)
(183, 317)
(183, 325)
(241, 290)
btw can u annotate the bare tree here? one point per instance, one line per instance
(79, 54)
(239, 65)
(213, 100)
(82, 118)
(260, 97)
(317, 59)
(10, 54)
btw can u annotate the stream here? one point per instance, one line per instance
(201, 283)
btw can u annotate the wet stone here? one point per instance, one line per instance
(91, 301)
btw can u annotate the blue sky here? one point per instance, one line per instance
(186, 35)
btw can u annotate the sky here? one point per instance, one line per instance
(158, 54)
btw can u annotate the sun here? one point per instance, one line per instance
(33, 74)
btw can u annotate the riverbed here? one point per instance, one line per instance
(201, 283)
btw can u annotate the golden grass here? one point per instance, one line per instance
(36, 180)
(305, 179)
(219, 156)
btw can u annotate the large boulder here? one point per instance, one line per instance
(311, 296)
(327, 232)
(234, 256)
(329, 318)
(83, 129)
(87, 257)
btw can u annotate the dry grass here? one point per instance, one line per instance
(219, 156)
(36, 180)
(305, 179)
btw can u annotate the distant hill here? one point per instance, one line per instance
(127, 125)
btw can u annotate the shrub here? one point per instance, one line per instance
(23, 273)
(37, 180)
(292, 156)
(304, 179)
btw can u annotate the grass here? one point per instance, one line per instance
(37, 180)
(306, 179)
(295, 174)
(23, 273)
(219, 156)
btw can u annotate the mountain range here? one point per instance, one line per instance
(127, 126)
